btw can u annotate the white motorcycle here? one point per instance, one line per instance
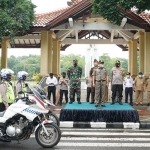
(20, 120)
(43, 99)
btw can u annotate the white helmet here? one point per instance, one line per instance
(22, 74)
(5, 72)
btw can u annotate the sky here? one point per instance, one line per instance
(44, 6)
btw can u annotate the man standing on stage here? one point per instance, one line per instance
(100, 80)
(92, 87)
(74, 74)
(116, 74)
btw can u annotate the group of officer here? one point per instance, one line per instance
(7, 93)
(100, 82)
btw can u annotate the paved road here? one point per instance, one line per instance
(95, 139)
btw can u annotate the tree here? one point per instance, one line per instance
(110, 9)
(67, 61)
(109, 62)
(16, 16)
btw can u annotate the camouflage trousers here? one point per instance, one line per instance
(75, 87)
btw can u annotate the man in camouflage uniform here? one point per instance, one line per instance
(100, 81)
(117, 74)
(92, 87)
(74, 74)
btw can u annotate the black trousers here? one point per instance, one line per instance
(52, 89)
(88, 94)
(128, 91)
(2, 106)
(115, 88)
(61, 95)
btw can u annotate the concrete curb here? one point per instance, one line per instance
(104, 125)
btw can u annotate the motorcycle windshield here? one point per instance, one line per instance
(36, 93)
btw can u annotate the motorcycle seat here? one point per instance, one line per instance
(2, 113)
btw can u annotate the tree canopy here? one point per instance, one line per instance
(110, 9)
(31, 63)
(16, 16)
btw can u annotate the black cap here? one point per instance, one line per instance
(102, 62)
(140, 73)
(75, 60)
(117, 62)
(63, 73)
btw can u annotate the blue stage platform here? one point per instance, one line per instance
(87, 112)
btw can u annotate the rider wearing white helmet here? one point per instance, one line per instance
(6, 90)
(21, 85)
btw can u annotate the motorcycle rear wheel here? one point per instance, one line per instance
(51, 140)
(51, 116)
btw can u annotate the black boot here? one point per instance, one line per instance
(120, 102)
(112, 102)
(78, 99)
(71, 101)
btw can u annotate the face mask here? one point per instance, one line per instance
(75, 64)
(100, 65)
(95, 64)
(140, 76)
(117, 65)
(128, 76)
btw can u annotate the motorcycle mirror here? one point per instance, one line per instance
(20, 92)
(30, 92)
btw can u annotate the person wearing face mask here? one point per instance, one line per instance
(51, 81)
(148, 90)
(116, 74)
(74, 74)
(6, 90)
(128, 82)
(92, 87)
(21, 84)
(139, 87)
(100, 81)
(63, 82)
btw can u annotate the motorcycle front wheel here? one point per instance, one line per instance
(51, 140)
(51, 116)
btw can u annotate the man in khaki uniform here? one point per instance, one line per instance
(148, 90)
(106, 90)
(139, 86)
(100, 80)
(92, 87)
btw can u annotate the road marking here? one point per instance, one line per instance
(103, 133)
(105, 144)
(103, 139)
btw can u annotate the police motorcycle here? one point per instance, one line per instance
(20, 120)
(34, 95)
(43, 98)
